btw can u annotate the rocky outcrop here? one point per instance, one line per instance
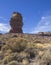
(44, 33)
(16, 23)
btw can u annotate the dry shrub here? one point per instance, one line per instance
(17, 44)
(13, 63)
(25, 61)
(9, 58)
(4, 48)
(1, 55)
(46, 58)
(37, 41)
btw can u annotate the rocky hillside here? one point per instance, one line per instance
(25, 49)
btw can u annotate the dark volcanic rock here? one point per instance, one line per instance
(16, 23)
(0, 33)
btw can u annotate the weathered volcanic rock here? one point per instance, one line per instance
(16, 23)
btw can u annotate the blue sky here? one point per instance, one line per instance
(36, 14)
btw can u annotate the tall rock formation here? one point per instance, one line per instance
(16, 23)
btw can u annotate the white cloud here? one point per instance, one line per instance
(3, 18)
(44, 25)
(43, 17)
(4, 27)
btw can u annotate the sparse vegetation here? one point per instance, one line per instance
(13, 63)
(23, 51)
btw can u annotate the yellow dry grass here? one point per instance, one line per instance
(45, 45)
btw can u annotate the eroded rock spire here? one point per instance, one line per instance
(16, 23)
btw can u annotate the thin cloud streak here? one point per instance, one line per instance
(3, 18)
(44, 25)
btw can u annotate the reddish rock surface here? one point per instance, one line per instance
(16, 23)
